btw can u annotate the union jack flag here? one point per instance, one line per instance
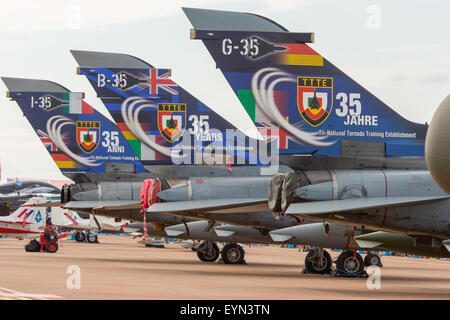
(159, 79)
(270, 133)
(48, 142)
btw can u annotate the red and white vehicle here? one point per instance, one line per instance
(31, 222)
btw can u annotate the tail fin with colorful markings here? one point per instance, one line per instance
(78, 137)
(283, 83)
(27, 221)
(159, 118)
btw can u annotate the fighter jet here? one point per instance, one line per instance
(14, 194)
(86, 146)
(305, 75)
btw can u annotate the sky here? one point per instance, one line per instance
(398, 50)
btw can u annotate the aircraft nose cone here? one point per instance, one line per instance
(437, 142)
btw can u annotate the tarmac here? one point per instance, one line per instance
(120, 268)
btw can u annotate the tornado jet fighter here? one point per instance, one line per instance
(326, 113)
(408, 202)
(87, 147)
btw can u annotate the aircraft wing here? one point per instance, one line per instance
(350, 206)
(204, 207)
(108, 205)
(15, 222)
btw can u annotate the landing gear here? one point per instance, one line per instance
(80, 237)
(232, 254)
(33, 246)
(88, 236)
(208, 251)
(91, 237)
(350, 263)
(318, 261)
(372, 259)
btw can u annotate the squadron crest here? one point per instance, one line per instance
(314, 98)
(171, 120)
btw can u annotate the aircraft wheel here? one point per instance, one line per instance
(91, 237)
(232, 254)
(51, 247)
(33, 246)
(80, 236)
(372, 259)
(349, 262)
(208, 252)
(318, 261)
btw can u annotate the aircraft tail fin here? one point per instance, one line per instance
(284, 84)
(29, 215)
(78, 137)
(156, 115)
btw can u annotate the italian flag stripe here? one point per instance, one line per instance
(248, 102)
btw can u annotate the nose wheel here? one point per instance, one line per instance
(91, 237)
(372, 259)
(80, 236)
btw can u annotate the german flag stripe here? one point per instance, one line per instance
(123, 127)
(64, 161)
(66, 164)
(298, 48)
(128, 135)
(299, 54)
(61, 157)
(300, 60)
